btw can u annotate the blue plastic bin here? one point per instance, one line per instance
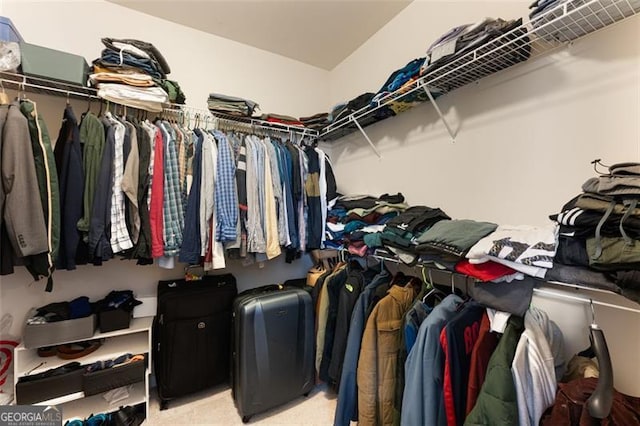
(8, 31)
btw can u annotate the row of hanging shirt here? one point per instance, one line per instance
(126, 186)
(209, 193)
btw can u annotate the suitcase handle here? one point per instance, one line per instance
(264, 289)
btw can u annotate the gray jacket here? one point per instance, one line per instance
(22, 209)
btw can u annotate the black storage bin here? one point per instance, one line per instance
(48, 388)
(114, 319)
(114, 377)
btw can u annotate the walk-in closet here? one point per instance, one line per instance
(389, 212)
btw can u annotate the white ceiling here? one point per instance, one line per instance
(317, 32)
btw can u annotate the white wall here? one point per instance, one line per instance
(201, 63)
(526, 137)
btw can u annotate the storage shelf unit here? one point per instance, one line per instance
(118, 342)
(135, 340)
(550, 30)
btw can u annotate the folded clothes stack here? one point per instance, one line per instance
(281, 119)
(231, 105)
(600, 228)
(355, 222)
(565, 20)
(486, 36)
(316, 121)
(133, 73)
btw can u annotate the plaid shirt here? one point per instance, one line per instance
(172, 207)
(226, 194)
(120, 239)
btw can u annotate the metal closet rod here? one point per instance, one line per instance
(555, 294)
(540, 291)
(244, 121)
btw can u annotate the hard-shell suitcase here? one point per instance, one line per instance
(273, 348)
(192, 335)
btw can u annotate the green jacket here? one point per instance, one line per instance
(47, 175)
(92, 140)
(497, 402)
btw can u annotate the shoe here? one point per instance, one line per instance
(127, 416)
(98, 420)
(47, 351)
(78, 350)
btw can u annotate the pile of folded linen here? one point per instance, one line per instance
(231, 105)
(133, 73)
(281, 119)
(316, 121)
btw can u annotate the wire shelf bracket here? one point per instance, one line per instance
(452, 133)
(373, 147)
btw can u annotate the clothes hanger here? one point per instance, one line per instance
(433, 291)
(600, 402)
(88, 105)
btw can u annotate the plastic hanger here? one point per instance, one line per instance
(433, 291)
(600, 402)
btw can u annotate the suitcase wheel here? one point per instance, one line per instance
(164, 404)
(306, 394)
(245, 419)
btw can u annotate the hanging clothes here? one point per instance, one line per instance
(142, 249)
(68, 156)
(226, 195)
(130, 184)
(423, 400)
(191, 243)
(27, 233)
(92, 139)
(497, 401)
(346, 408)
(42, 265)
(119, 239)
(157, 194)
(378, 356)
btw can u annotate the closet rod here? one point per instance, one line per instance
(536, 290)
(304, 131)
(545, 292)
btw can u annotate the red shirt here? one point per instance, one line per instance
(482, 351)
(157, 198)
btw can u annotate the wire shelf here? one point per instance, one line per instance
(48, 87)
(549, 30)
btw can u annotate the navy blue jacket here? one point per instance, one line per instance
(68, 155)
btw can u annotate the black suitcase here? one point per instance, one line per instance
(192, 335)
(273, 348)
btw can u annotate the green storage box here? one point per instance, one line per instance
(38, 61)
